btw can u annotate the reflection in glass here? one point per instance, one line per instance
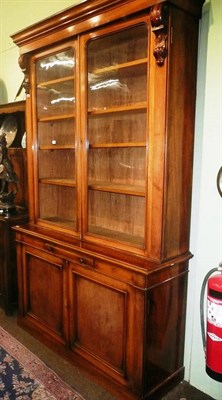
(55, 98)
(120, 47)
(118, 88)
(55, 84)
(58, 60)
(55, 66)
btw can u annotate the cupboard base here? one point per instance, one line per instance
(121, 324)
(92, 373)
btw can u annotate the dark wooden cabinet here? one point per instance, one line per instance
(12, 119)
(8, 271)
(103, 262)
(12, 122)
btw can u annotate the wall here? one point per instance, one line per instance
(206, 224)
(206, 220)
(14, 16)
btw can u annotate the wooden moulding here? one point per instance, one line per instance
(79, 18)
(23, 63)
(159, 23)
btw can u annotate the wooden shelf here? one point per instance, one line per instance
(10, 108)
(114, 145)
(65, 223)
(58, 182)
(136, 65)
(131, 107)
(56, 117)
(55, 81)
(133, 190)
(57, 147)
(115, 235)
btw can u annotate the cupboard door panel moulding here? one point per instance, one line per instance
(110, 128)
(92, 338)
(48, 310)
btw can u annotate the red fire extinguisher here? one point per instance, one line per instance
(212, 340)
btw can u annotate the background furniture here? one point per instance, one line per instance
(103, 262)
(8, 271)
(17, 154)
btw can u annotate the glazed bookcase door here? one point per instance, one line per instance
(117, 134)
(56, 201)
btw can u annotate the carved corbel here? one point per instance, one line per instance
(159, 24)
(24, 65)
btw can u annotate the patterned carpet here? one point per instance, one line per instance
(23, 376)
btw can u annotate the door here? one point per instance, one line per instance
(44, 292)
(105, 325)
(56, 193)
(115, 129)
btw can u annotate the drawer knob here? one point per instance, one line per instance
(49, 247)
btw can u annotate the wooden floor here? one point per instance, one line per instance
(74, 376)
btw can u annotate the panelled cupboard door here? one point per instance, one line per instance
(44, 295)
(55, 121)
(105, 327)
(116, 85)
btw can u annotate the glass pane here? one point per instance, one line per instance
(55, 99)
(56, 127)
(117, 165)
(57, 133)
(117, 135)
(55, 66)
(55, 84)
(57, 164)
(117, 69)
(121, 127)
(118, 88)
(57, 205)
(118, 48)
(117, 216)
